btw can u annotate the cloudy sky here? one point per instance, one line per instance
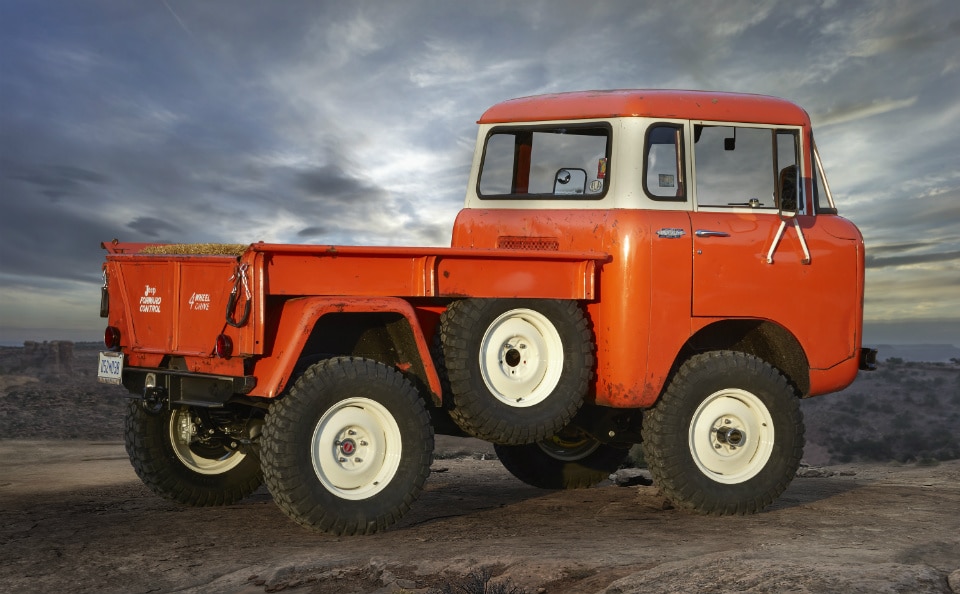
(353, 122)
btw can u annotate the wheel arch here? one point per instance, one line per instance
(762, 338)
(387, 337)
(386, 330)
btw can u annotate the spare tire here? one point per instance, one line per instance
(518, 369)
(571, 460)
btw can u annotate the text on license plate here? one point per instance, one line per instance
(110, 367)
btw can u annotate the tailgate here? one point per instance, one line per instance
(171, 304)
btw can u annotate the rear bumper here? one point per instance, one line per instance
(185, 387)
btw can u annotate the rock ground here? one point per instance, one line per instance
(74, 517)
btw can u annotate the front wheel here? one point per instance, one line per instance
(348, 449)
(570, 460)
(727, 435)
(194, 456)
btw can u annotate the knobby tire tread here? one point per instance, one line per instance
(294, 485)
(470, 404)
(665, 430)
(146, 439)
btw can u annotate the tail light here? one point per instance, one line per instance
(224, 347)
(111, 337)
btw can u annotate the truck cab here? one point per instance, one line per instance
(715, 240)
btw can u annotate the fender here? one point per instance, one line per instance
(299, 316)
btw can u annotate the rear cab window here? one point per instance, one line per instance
(664, 169)
(563, 161)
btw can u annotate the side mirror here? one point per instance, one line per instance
(789, 189)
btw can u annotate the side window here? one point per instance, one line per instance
(498, 159)
(788, 195)
(663, 163)
(746, 167)
(555, 162)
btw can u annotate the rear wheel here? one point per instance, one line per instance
(571, 460)
(727, 435)
(348, 449)
(194, 456)
(518, 369)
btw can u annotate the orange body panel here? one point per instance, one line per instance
(426, 272)
(641, 316)
(175, 305)
(295, 322)
(688, 105)
(733, 279)
(659, 289)
(172, 305)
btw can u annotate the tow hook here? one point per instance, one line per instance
(154, 396)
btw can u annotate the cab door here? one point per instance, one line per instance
(754, 259)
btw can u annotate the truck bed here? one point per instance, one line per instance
(176, 303)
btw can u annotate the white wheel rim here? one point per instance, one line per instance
(183, 433)
(356, 448)
(731, 436)
(521, 358)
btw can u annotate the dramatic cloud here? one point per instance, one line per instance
(353, 123)
(912, 259)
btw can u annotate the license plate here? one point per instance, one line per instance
(110, 367)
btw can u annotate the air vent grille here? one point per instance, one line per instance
(528, 243)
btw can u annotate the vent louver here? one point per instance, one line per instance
(528, 243)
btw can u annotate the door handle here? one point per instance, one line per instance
(707, 233)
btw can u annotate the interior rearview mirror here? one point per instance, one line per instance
(570, 181)
(730, 144)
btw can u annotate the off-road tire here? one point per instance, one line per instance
(726, 437)
(348, 449)
(562, 463)
(504, 397)
(193, 475)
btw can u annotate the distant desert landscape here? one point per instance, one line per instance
(873, 508)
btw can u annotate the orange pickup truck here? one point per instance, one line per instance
(640, 266)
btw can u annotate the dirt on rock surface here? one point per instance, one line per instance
(74, 517)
